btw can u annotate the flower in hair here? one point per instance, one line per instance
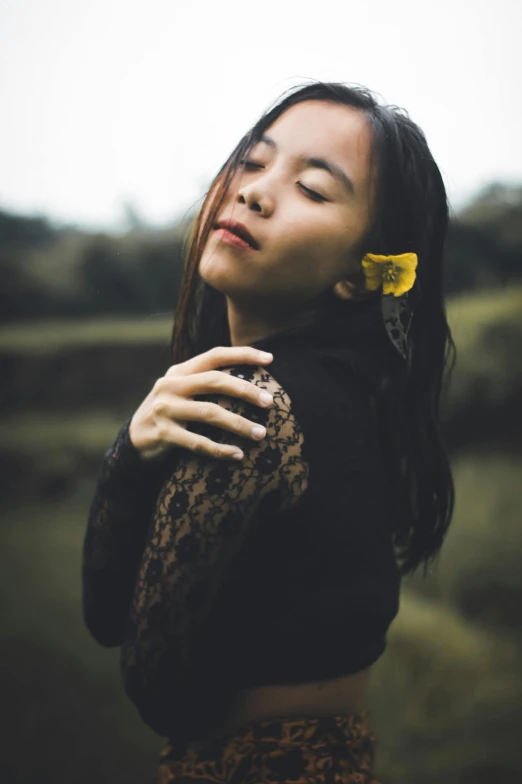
(395, 273)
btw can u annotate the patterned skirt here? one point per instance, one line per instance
(325, 750)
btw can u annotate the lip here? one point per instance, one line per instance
(232, 239)
(231, 229)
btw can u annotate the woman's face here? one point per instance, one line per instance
(305, 240)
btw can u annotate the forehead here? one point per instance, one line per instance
(325, 129)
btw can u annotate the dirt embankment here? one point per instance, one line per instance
(66, 387)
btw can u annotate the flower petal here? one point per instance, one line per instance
(377, 259)
(372, 284)
(404, 266)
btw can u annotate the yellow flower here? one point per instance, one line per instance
(396, 273)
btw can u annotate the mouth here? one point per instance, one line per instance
(237, 229)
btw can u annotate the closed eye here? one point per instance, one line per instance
(251, 165)
(309, 192)
(313, 194)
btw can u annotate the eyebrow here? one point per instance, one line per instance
(320, 163)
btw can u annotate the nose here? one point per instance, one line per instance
(256, 197)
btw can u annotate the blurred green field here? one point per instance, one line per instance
(468, 315)
(50, 335)
(446, 698)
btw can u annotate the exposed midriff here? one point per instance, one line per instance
(337, 696)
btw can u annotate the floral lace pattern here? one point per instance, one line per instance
(123, 501)
(171, 535)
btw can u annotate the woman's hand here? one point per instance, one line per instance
(160, 421)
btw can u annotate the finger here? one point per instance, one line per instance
(221, 356)
(216, 382)
(215, 415)
(201, 445)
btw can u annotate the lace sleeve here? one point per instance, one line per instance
(203, 515)
(126, 489)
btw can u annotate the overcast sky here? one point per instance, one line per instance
(107, 101)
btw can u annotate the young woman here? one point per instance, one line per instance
(251, 596)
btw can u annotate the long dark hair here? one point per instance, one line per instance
(411, 214)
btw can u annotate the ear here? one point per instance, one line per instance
(344, 289)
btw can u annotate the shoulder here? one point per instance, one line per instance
(319, 400)
(314, 380)
(278, 418)
(262, 378)
(309, 383)
(331, 402)
(278, 457)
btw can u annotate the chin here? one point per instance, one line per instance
(218, 272)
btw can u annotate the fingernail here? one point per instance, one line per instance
(266, 355)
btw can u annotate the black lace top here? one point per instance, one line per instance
(214, 576)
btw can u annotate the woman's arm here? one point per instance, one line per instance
(128, 484)
(203, 515)
(126, 491)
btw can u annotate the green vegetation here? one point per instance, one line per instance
(48, 272)
(32, 337)
(446, 697)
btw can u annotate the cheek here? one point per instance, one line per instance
(304, 266)
(317, 244)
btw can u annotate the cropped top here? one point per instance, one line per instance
(215, 576)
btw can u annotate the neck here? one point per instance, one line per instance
(247, 326)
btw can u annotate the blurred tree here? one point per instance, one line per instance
(497, 211)
(48, 271)
(23, 231)
(109, 283)
(133, 217)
